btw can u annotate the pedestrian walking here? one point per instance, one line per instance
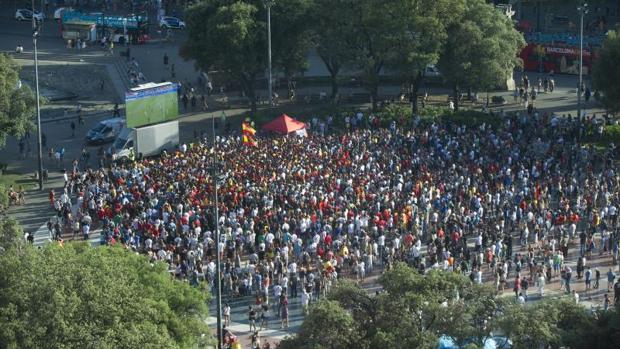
(264, 318)
(606, 302)
(226, 312)
(72, 129)
(205, 105)
(541, 285)
(610, 279)
(78, 110)
(515, 95)
(285, 313)
(597, 277)
(185, 101)
(568, 276)
(588, 279)
(50, 228)
(252, 318)
(116, 112)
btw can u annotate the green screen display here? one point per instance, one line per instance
(151, 105)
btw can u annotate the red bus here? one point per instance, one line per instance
(557, 58)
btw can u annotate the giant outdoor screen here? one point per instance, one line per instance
(151, 104)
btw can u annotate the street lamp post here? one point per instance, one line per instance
(217, 177)
(583, 9)
(218, 283)
(268, 4)
(35, 34)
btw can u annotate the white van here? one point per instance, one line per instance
(105, 131)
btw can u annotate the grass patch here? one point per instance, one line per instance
(401, 113)
(16, 180)
(610, 135)
(26, 181)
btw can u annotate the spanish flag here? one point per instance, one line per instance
(248, 134)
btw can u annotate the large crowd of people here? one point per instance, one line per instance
(500, 204)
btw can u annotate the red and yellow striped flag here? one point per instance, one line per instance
(248, 134)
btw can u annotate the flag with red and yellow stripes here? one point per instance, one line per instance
(248, 134)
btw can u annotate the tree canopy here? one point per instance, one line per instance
(227, 36)
(481, 48)
(17, 105)
(76, 296)
(231, 36)
(415, 310)
(606, 73)
(475, 44)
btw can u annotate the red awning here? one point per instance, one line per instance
(284, 124)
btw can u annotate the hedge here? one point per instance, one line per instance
(402, 113)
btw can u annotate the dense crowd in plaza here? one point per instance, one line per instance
(296, 213)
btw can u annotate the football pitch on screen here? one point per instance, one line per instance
(152, 110)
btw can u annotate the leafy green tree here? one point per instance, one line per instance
(419, 38)
(76, 296)
(228, 36)
(331, 21)
(11, 234)
(374, 33)
(17, 105)
(340, 333)
(559, 323)
(291, 36)
(481, 49)
(412, 311)
(606, 73)
(231, 36)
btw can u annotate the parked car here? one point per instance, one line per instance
(26, 15)
(105, 131)
(171, 23)
(431, 71)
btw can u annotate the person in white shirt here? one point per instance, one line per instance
(292, 268)
(576, 296)
(226, 312)
(305, 300)
(541, 284)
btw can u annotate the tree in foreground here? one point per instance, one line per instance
(559, 322)
(606, 73)
(415, 311)
(17, 103)
(76, 296)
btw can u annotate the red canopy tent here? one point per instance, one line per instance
(284, 124)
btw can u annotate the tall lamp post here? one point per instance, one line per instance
(583, 9)
(268, 4)
(218, 280)
(35, 34)
(217, 179)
